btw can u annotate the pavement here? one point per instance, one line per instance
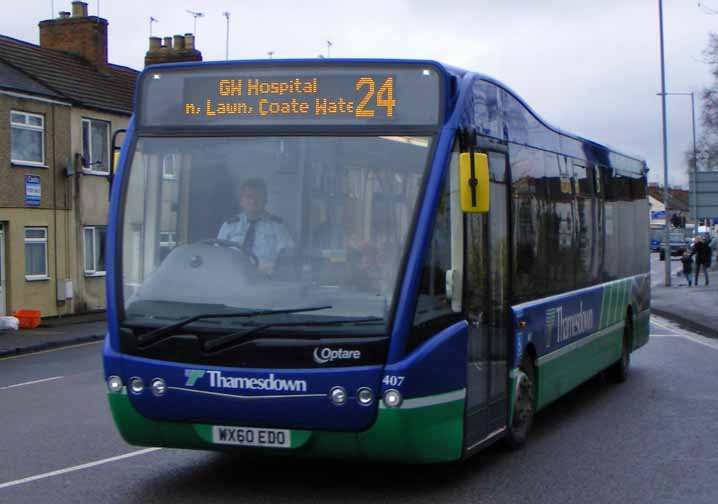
(54, 332)
(694, 308)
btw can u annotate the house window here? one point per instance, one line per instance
(27, 138)
(169, 167)
(167, 243)
(95, 238)
(35, 253)
(96, 146)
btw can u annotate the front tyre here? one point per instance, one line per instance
(618, 372)
(524, 404)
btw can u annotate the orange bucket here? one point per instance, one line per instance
(29, 319)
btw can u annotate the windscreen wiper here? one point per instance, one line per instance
(237, 338)
(163, 332)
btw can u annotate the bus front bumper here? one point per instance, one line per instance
(425, 430)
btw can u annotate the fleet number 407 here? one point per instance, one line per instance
(393, 380)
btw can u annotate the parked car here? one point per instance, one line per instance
(678, 245)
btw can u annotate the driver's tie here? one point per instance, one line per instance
(248, 243)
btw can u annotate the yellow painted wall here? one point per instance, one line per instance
(37, 294)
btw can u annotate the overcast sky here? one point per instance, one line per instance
(591, 68)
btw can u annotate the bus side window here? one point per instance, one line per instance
(558, 222)
(529, 200)
(585, 225)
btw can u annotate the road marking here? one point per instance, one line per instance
(710, 343)
(689, 338)
(32, 354)
(31, 382)
(76, 468)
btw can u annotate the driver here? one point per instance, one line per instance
(256, 230)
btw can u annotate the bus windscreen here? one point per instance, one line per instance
(291, 94)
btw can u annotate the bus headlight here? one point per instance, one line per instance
(114, 384)
(159, 387)
(136, 385)
(338, 395)
(365, 396)
(392, 398)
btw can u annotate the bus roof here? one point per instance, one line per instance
(621, 161)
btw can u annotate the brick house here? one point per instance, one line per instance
(60, 102)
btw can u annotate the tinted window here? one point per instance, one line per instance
(433, 308)
(487, 115)
(529, 201)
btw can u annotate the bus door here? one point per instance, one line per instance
(486, 302)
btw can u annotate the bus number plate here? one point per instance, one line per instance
(250, 436)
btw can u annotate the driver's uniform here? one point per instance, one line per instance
(264, 236)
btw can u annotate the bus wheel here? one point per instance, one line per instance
(662, 255)
(523, 417)
(618, 372)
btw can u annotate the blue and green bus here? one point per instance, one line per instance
(361, 259)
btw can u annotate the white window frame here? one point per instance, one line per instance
(30, 127)
(36, 240)
(95, 243)
(168, 239)
(170, 161)
(91, 168)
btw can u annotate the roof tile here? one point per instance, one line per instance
(72, 77)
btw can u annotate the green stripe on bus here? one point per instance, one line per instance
(606, 305)
(616, 301)
(568, 367)
(625, 299)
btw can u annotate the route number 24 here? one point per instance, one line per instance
(384, 97)
(393, 380)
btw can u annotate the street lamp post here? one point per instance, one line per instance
(666, 234)
(695, 152)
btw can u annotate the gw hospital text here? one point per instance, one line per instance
(320, 106)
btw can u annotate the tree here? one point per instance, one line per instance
(707, 145)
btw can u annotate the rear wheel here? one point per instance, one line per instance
(618, 372)
(662, 255)
(523, 417)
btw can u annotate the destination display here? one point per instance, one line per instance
(290, 95)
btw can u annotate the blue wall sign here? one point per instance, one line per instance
(33, 192)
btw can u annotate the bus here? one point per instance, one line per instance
(388, 260)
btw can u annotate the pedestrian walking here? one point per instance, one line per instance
(703, 257)
(687, 261)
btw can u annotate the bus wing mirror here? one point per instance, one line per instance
(474, 182)
(114, 159)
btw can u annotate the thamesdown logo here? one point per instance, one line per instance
(550, 324)
(268, 383)
(192, 376)
(570, 326)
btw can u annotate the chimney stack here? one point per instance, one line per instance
(189, 41)
(79, 34)
(173, 50)
(79, 9)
